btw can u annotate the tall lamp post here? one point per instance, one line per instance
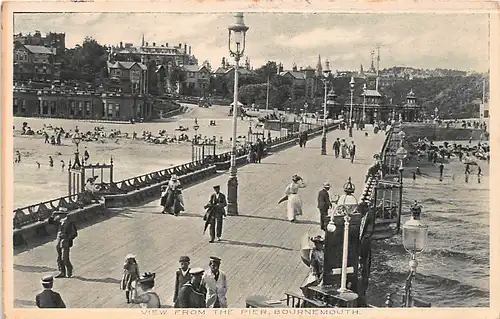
(364, 103)
(350, 111)
(415, 234)
(76, 139)
(401, 154)
(236, 43)
(436, 111)
(346, 205)
(326, 73)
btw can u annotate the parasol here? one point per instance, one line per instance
(209, 214)
(307, 245)
(284, 198)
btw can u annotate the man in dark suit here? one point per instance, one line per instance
(48, 298)
(260, 150)
(66, 233)
(324, 204)
(336, 148)
(182, 275)
(218, 200)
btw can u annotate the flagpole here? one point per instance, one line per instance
(267, 96)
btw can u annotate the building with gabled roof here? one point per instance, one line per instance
(35, 62)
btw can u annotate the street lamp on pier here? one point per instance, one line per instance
(415, 234)
(326, 74)
(401, 154)
(236, 43)
(364, 103)
(350, 111)
(76, 139)
(346, 205)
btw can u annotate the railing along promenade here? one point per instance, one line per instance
(31, 221)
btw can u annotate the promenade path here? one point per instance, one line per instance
(260, 249)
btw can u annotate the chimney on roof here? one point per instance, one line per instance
(166, 44)
(185, 48)
(154, 44)
(180, 45)
(189, 50)
(147, 44)
(121, 45)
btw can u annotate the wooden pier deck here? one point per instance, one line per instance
(259, 250)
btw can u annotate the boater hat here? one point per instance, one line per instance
(196, 271)
(216, 260)
(217, 187)
(326, 184)
(173, 177)
(47, 280)
(130, 256)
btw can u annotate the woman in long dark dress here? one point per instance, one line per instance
(172, 200)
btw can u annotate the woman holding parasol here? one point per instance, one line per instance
(294, 204)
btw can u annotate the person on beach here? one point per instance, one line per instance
(62, 165)
(182, 275)
(324, 204)
(192, 294)
(294, 203)
(215, 282)
(51, 161)
(441, 169)
(144, 293)
(130, 275)
(414, 177)
(49, 298)
(18, 157)
(479, 174)
(467, 172)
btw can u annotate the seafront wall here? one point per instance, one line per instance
(30, 222)
(434, 132)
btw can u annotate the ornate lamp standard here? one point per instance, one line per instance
(414, 241)
(364, 103)
(76, 139)
(401, 154)
(350, 111)
(326, 73)
(346, 205)
(236, 43)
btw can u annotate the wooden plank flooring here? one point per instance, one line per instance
(259, 251)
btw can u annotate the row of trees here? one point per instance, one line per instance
(453, 95)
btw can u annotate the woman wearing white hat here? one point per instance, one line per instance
(294, 204)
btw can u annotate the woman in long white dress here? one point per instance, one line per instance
(294, 203)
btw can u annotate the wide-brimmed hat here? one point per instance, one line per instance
(147, 278)
(130, 256)
(317, 239)
(326, 184)
(47, 279)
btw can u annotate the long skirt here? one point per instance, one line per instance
(127, 281)
(294, 206)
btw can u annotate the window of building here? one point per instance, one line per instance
(117, 110)
(138, 110)
(80, 108)
(87, 108)
(53, 108)
(71, 107)
(23, 106)
(110, 109)
(45, 107)
(486, 113)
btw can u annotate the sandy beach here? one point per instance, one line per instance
(32, 185)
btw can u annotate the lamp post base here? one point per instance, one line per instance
(323, 145)
(232, 193)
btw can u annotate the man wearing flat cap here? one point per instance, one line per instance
(66, 233)
(182, 275)
(218, 203)
(215, 282)
(48, 298)
(324, 204)
(192, 294)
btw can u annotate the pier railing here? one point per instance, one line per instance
(31, 220)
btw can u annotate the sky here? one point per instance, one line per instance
(458, 41)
